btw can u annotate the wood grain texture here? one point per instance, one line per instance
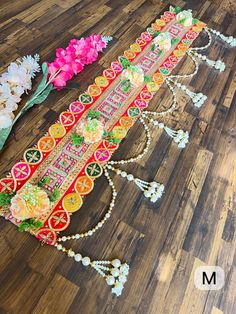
(193, 224)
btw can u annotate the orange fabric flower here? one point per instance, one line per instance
(163, 41)
(91, 129)
(185, 18)
(134, 74)
(30, 202)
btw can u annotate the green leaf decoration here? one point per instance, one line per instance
(45, 68)
(23, 226)
(116, 140)
(38, 99)
(147, 79)
(4, 133)
(29, 224)
(174, 41)
(125, 86)
(55, 195)
(159, 53)
(77, 139)
(181, 21)
(153, 46)
(93, 114)
(155, 34)
(125, 63)
(195, 21)
(44, 78)
(45, 180)
(177, 9)
(5, 198)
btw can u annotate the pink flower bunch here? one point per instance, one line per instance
(71, 60)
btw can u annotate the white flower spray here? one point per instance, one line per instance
(13, 84)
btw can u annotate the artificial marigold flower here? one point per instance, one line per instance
(91, 129)
(185, 18)
(134, 74)
(163, 41)
(30, 202)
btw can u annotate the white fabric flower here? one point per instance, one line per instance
(6, 96)
(6, 119)
(13, 83)
(185, 18)
(30, 64)
(163, 41)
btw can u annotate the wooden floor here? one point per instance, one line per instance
(193, 224)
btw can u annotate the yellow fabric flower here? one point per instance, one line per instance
(163, 41)
(91, 129)
(30, 202)
(134, 74)
(185, 18)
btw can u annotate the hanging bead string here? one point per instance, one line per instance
(113, 271)
(152, 190)
(191, 56)
(196, 68)
(171, 108)
(197, 98)
(228, 39)
(207, 45)
(138, 157)
(91, 231)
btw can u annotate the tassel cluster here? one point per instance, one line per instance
(180, 137)
(114, 272)
(198, 99)
(152, 190)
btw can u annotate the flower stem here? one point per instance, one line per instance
(34, 96)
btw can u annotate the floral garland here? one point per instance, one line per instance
(17, 80)
(30, 203)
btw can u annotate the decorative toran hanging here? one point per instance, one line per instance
(50, 183)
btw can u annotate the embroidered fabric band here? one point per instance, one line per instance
(73, 169)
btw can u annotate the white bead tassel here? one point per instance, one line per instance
(228, 39)
(197, 98)
(114, 272)
(152, 190)
(180, 137)
(218, 65)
